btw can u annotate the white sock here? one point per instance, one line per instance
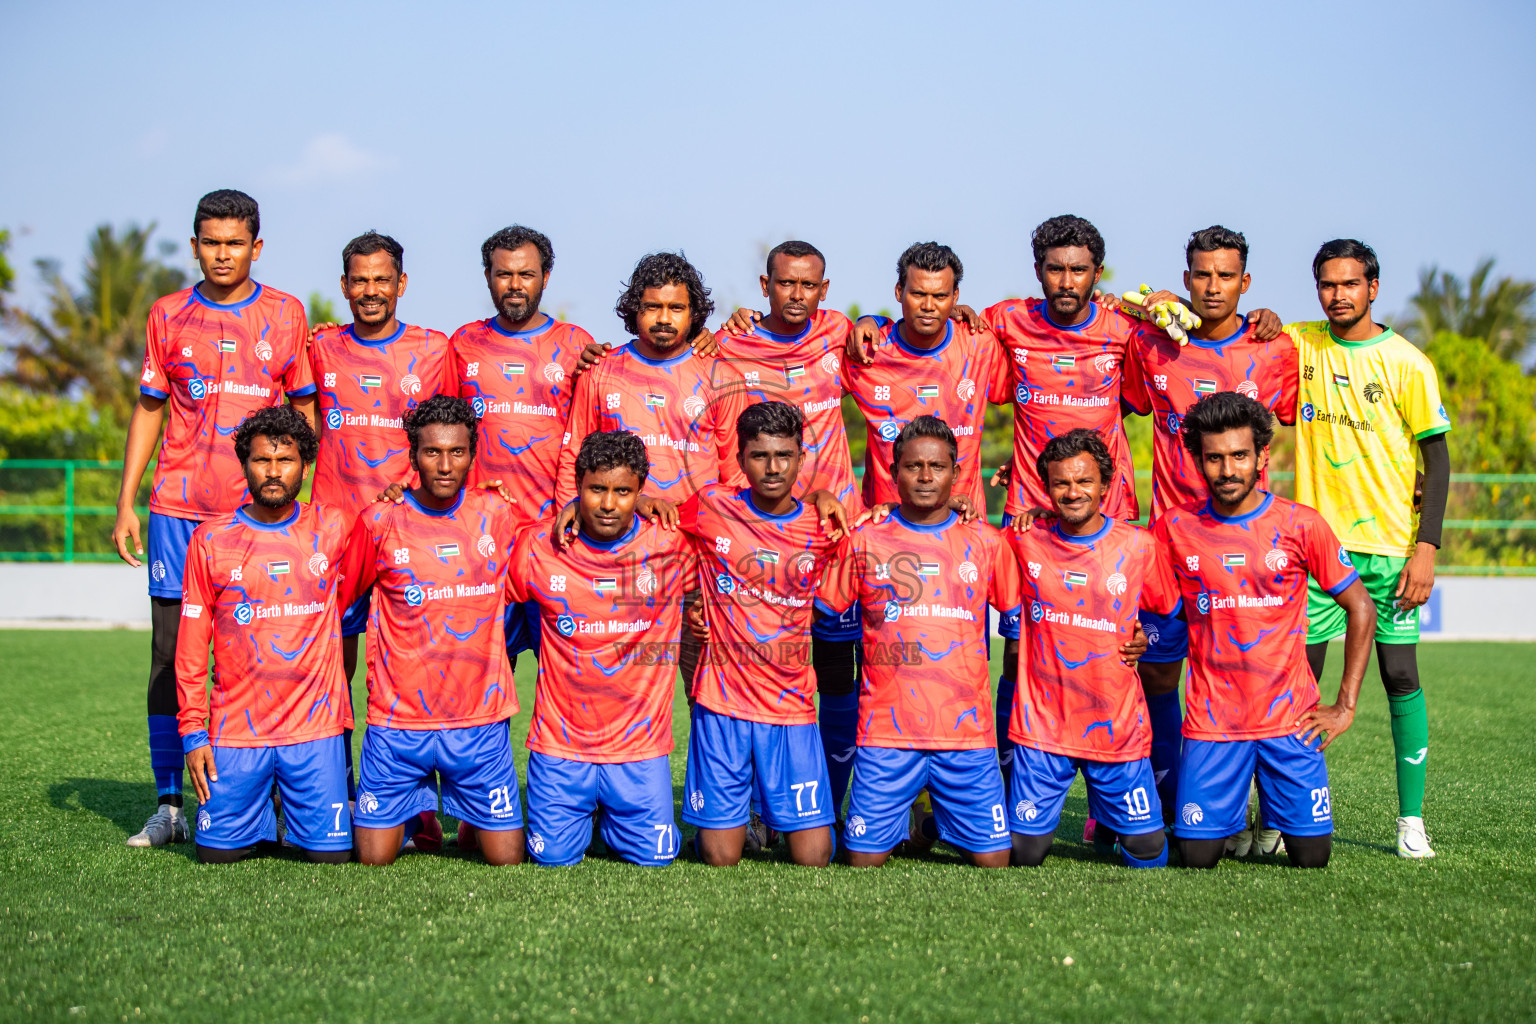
(175, 811)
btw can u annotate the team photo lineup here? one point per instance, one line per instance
(684, 505)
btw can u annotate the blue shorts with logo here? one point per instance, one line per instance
(731, 760)
(1007, 625)
(1167, 637)
(521, 622)
(966, 787)
(840, 628)
(1122, 794)
(312, 780)
(1215, 777)
(634, 799)
(168, 541)
(479, 777)
(354, 621)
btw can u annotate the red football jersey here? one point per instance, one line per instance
(611, 616)
(1164, 379)
(686, 418)
(1244, 581)
(1082, 595)
(803, 370)
(953, 381)
(758, 576)
(216, 364)
(265, 596)
(365, 389)
(520, 385)
(437, 654)
(1064, 378)
(924, 592)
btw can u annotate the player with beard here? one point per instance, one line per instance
(1370, 407)
(1242, 560)
(515, 369)
(215, 353)
(1080, 707)
(263, 581)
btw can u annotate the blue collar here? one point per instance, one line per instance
(549, 322)
(439, 513)
(227, 307)
(1086, 538)
(380, 343)
(256, 524)
(634, 352)
(1210, 509)
(1045, 311)
(786, 339)
(617, 542)
(1242, 329)
(896, 516)
(746, 495)
(949, 335)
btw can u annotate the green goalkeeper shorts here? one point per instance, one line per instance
(1325, 616)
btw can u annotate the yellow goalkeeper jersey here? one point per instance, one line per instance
(1362, 408)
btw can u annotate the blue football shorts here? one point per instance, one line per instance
(479, 776)
(1215, 776)
(842, 628)
(966, 787)
(521, 623)
(312, 780)
(731, 760)
(633, 800)
(1122, 794)
(167, 553)
(1167, 638)
(354, 620)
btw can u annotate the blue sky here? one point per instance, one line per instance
(620, 129)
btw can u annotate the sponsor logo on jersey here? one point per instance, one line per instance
(654, 400)
(277, 568)
(244, 613)
(1073, 578)
(693, 405)
(1341, 380)
(767, 556)
(927, 568)
(566, 625)
(1026, 810)
(446, 550)
(1374, 392)
(263, 350)
(1235, 561)
(927, 391)
(1021, 356)
(197, 388)
(1275, 559)
(1344, 558)
(892, 611)
(1203, 602)
(965, 390)
(368, 381)
(318, 563)
(798, 370)
(1036, 611)
(485, 545)
(513, 369)
(1192, 563)
(645, 582)
(414, 595)
(554, 373)
(1307, 412)
(226, 345)
(410, 384)
(1204, 387)
(1116, 583)
(1104, 363)
(1248, 388)
(723, 583)
(605, 584)
(968, 572)
(1021, 394)
(334, 419)
(890, 430)
(1192, 814)
(1063, 362)
(1034, 570)
(829, 362)
(191, 611)
(478, 404)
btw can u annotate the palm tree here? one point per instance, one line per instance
(1501, 315)
(92, 341)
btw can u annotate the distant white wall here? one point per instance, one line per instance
(1480, 608)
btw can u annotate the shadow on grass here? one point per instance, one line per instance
(124, 804)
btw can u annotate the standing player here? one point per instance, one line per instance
(1080, 707)
(1242, 561)
(937, 366)
(440, 689)
(924, 579)
(369, 375)
(515, 369)
(261, 587)
(761, 553)
(217, 352)
(1370, 402)
(611, 609)
(1163, 379)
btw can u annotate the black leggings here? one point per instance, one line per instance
(1304, 851)
(165, 623)
(1399, 665)
(838, 667)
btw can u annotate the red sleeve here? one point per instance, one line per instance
(725, 409)
(1327, 560)
(583, 420)
(299, 378)
(520, 567)
(1159, 587)
(453, 370)
(995, 320)
(1006, 591)
(360, 562)
(995, 368)
(193, 638)
(839, 587)
(152, 379)
(688, 514)
(1290, 380)
(1133, 379)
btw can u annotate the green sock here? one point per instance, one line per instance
(1410, 746)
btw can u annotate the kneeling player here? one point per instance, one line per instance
(762, 554)
(924, 579)
(1081, 707)
(610, 612)
(1242, 559)
(440, 689)
(261, 587)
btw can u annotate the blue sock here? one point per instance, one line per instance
(165, 757)
(839, 723)
(346, 738)
(1167, 743)
(1006, 685)
(1160, 861)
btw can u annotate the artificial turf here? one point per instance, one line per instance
(93, 930)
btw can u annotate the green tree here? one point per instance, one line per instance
(91, 342)
(1500, 314)
(320, 310)
(7, 275)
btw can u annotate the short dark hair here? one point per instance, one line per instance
(612, 449)
(795, 249)
(658, 270)
(929, 256)
(924, 426)
(1224, 411)
(228, 204)
(1073, 443)
(514, 238)
(776, 419)
(1067, 231)
(278, 423)
(1213, 238)
(450, 410)
(1347, 249)
(368, 243)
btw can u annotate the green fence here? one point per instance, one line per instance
(62, 510)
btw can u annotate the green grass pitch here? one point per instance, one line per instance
(95, 931)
